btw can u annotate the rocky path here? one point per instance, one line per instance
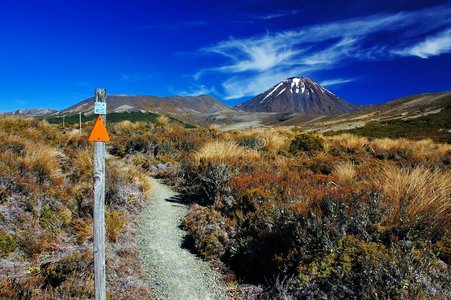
(174, 272)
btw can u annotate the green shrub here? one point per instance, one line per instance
(306, 142)
(249, 142)
(50, 220)
(7, 243)
(58, 272)
(434, 126)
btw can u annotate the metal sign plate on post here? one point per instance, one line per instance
(100, 108)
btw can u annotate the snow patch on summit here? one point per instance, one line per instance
(297, 85)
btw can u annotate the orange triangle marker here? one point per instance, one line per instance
(99, 133)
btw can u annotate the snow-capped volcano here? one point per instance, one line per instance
(300, 95)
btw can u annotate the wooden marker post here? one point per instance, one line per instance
(79, 121)
(99, 136)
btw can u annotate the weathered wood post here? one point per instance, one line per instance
(79, 121)
(99, 136)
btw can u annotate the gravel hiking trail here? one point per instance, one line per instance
(174, 272)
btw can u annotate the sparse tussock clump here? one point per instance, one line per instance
(424, 149)
(385, 145)
(218, 151)
(42, 161)
(83, 164)
(273, 141)
(418, 195)
(349, 141)
(115, 223)
(163, 121)
(125, 127)
(345, 172)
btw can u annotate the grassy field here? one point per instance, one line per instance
(435, 126)
(284, 214)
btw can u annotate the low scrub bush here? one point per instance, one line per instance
(306, 142)
(7, 243)
(46, 212)
(338, 222)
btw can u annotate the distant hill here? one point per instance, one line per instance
(305, 109)
(186, 108)
(32, 112)
(298, 95)
(421, 116)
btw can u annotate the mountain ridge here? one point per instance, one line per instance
(31, 112)
(298, 95)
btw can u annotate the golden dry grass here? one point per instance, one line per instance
(115, 223)
(163, 121)
(418, 193)
(83, 164)
(419, 150)
(223, 150)
(349, 141)
(345, 172)
(138, 176)
(83, 229)
(214, 127)
(273, 141)
(42, 158)
(427, 148)
(386, 144)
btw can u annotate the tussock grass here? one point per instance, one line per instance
(213, 127)
(273, 141)
(223, 150)
(42, 159)
(349, 141)
(83, 164)
(427, 148)
(115, 223)
(387, 144)
(345, 172)
(83, 229)
(139, 176)
(163, 121)
(418, 193)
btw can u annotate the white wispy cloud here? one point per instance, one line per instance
(194, 90)
(278, 14)
(431, 46)
(256, 63)
(336, 81)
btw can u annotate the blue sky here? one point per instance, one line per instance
(55, 53)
